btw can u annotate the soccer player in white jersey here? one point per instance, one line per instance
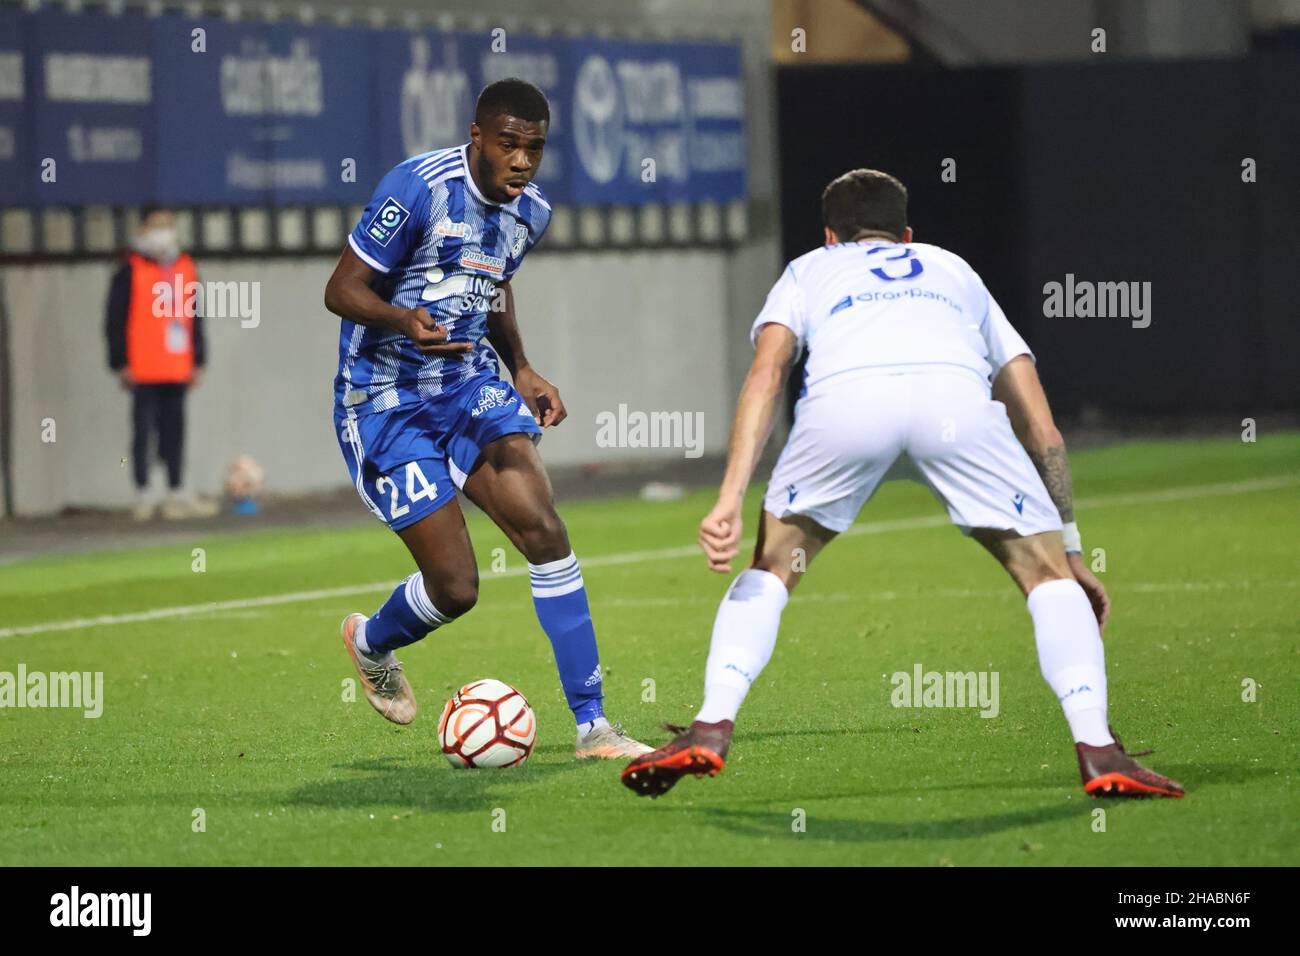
(911, 366)
(420, 410)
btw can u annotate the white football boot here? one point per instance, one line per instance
(609, 742)
(386, 686)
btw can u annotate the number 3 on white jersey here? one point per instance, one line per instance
(413, 493)
(914, 269)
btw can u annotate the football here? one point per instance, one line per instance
(487, 723)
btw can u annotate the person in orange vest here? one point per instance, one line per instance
(157, 350)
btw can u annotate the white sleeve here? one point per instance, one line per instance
(784, 306)
(1004, 342)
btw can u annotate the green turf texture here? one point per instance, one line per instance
(240, 712)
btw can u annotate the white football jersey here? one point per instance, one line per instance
(878, 303)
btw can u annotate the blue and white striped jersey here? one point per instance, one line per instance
(440, 244)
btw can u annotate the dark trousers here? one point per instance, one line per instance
(158, 410)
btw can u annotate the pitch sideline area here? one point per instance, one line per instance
(1175, 493)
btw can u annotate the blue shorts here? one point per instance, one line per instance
(407, 462)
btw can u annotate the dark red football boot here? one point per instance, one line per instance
(700, 751)
(1110, 772)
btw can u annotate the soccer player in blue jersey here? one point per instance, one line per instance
(423, 289)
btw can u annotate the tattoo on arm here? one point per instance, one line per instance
(1055, 471)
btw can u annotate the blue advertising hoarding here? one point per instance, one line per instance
(655, 122)
(422, 94)
(208, 111)
(90, 104)
(17, 172)
(261, 113)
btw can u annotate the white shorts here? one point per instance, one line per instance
(937, 426)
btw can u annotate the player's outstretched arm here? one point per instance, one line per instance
(349, 296)
(542, 397)
(775, 350)
(1020, 390)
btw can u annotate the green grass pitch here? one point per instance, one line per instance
(239, 711)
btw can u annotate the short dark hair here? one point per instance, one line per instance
(149, 208)
(865, 200)
(514, 97)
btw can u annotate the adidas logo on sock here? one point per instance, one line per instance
(594, 679)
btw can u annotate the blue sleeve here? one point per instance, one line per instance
(394, 222)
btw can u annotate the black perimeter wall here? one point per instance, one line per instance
(1115, 172)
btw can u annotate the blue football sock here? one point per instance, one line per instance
(406, 617)
(561, 603)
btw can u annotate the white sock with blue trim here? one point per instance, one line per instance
(744, 636)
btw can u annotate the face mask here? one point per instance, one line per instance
(161, 245)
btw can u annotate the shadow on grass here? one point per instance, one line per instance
(430, 787)
(753, 823)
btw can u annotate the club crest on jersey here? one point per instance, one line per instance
(457, 230)
(517, 246)
(385, 223)
(471, 259)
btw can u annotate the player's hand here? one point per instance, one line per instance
(542, 397)
(720, 535)
(126, 379)
(196, 378)
(1097, 595)
(429, 337)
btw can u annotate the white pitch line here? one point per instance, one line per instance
(612, 560)
(963, 594)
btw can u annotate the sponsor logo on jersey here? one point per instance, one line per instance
(458, 230)
(471, 259)
(489, 397)
(517, 246)
(467, 293)
(385, 223)
(894, 296)
(791, 491)
(1019, 502)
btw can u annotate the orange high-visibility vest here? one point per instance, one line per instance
(159, 328)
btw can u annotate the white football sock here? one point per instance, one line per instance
(359, 639)
(744, 635)
(589, 726)
(1071, 657)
